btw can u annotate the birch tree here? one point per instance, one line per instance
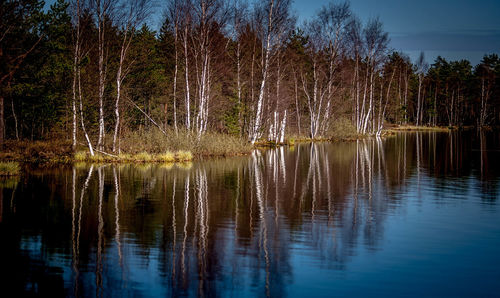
(174, 13)
(239, 21)
(356, 46)
(422, 68)
(277, 14)
(131, 13)
(185, 23)
(79, 51)
(334, 20)
(103, 12)
(209, 17)
(376, 41)
(315, 78)
(280, 106)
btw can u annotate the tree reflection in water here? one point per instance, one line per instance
(225, 226)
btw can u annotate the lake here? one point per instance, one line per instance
(416, 214)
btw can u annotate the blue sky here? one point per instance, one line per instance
(454, 29)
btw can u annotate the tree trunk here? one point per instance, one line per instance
(73, 103)
(101, 15)
(15, 118)
(186, 72)
(258, 115)
(370, 106)
(419, 99)
(176, 32)
(282, 129)
(238, 83)
(117, 111)
(89, 143)
(296, 100)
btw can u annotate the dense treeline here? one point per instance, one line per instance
(91, 71)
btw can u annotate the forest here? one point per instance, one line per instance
(94, 74)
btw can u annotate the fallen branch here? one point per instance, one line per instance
(149, 117)
(105, 153)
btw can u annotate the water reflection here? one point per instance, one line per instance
(266, 224)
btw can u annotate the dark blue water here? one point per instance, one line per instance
(412, 215)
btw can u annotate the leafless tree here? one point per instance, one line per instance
(103, 11)
(209, 18)
(422, 67)
(327, 34)
(275, 16)
(79, 51)
(128, 16)
(376, 42)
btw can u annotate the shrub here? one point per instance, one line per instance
(80, 156)
(342, 128)
(143, 156)
(166, 157)
(9, 168)
(124, 157)
(97, 158)
(182, 155)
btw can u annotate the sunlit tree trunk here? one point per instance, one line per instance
(135, 12)
(77, 85)
(186, 75)
(419, 100)
(255, 132)
(89, 143)
(370, 102)
(176, 67)
(103, 8)
(296, 94)
(282, 129)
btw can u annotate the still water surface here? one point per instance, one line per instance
(412, 215)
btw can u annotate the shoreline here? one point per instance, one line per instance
(47, 152)
(414, 128)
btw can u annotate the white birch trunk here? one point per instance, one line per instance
(282, 129)
(175, 73)
(419, 100)
(89, 143)
(101, 14)
(186, 72)
(258, 117)
(370, 106)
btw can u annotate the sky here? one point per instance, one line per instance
(454, 29)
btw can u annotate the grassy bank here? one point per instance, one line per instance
(56, 151)
(153, 146)
(140, 146)
(210, 143)
(8, 169)
(340, 129)
(166, 157)
(399, 128)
